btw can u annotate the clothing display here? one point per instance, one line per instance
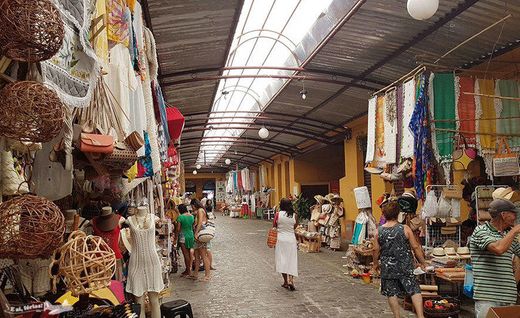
(144, 267)
(111, 237)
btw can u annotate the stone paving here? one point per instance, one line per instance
(246, 285)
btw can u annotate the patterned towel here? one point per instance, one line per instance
(371, 130)
(466, 108)
(510, 108)
(485, 108)
(408, 108)
(380, 129)
(444, 109)
(390, 138)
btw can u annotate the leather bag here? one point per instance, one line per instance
(95, 143)
(135, 141)
(462, 155)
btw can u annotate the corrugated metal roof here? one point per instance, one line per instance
(193, 34)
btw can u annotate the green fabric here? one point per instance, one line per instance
(444, 108)
(186, 221)
(493, 274)
(510, 108)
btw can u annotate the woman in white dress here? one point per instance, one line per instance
(286, 250)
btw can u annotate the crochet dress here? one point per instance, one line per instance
(144, 267)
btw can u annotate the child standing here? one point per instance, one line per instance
(394, 243)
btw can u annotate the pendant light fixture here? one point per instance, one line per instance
(228, 161)
(422, 9)
(303, 92)
(198, 166)
(194, 171)
(263, 133)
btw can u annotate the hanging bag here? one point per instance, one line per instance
(462, 154)
(272, 237)
(505, 162)
(430, 205)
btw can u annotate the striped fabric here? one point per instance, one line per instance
(493, 274)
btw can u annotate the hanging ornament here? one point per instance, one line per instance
(263, 133)
(32, 31)
(422, 9)
(228, 161)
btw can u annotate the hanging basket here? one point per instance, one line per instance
(30, 112)
(86, 263)
(30, 227)
(32, 31)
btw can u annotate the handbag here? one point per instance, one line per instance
(444, 208)
(505, 163)
(96, 143)
(272, 237)
(462, 155)
(122, 158)
(206, 234)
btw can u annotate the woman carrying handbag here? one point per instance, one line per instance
(286, 250)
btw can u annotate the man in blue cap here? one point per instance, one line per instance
(492, 246)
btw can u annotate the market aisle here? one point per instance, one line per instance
(245, 284)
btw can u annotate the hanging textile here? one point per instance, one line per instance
(246, 179)
(229, 184)
(371, 130)
(100, 42)
(420, 127)
(444, 109)
(486, 109)
(408, 108)
(390, 123)
(399, 115)
(139, 45)
(380, 129)
(144, 165)
(117, 27)
(160, 107)
(510, 108)
(466, 108)
(235, 181)
(239, 181)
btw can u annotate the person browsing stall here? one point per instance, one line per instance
(393, 243)
(492, 246)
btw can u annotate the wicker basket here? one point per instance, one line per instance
(31, 227)
(86, 263)
(32, 31)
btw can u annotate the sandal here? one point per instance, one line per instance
(192, 277)
(286, 286)
(291, 287)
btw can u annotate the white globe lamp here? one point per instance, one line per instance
(228, 161)
(199, 166)
(422, 9)
(194, 171)
(263, 133)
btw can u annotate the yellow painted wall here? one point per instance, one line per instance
(320, 166)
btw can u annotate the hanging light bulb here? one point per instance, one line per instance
(303, 93)
(263, 133)
(198, 166)
(422, 9)
(194, 171)
(228, 161)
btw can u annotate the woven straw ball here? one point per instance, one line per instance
(30, 112)
(30, 227)
(86, 263)
(32, 30)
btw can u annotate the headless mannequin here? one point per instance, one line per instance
(143, 220)
(107, 226)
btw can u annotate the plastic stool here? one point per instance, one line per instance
(176, 308)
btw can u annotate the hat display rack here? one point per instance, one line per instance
(440, 229)
(483, 197)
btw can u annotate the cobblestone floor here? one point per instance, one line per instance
(246, 285)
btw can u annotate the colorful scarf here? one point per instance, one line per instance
(510, 108)
(400, 105)
(117, 27)
(466, 109)
(486, 109)
(420, 127)
(380, 129)
(390, 127)
(444, 109)
(371, 130)
(408, 109)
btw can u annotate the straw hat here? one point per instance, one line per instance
(329, 197)
(319, 198)
(501, 193)
(373, 170)
(464, 250)
(513, 196)
(438, 251)
(450, 251)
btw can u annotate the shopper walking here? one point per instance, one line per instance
(201, 249)
(492, 246)
(186, 237)
(286, 250)
(394, 243)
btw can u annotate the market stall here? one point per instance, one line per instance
(88, 166)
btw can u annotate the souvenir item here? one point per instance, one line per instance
(453, 192)
(505, 163)
(462, 155)
(95, 143)
(272, 236)
(206, 234)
